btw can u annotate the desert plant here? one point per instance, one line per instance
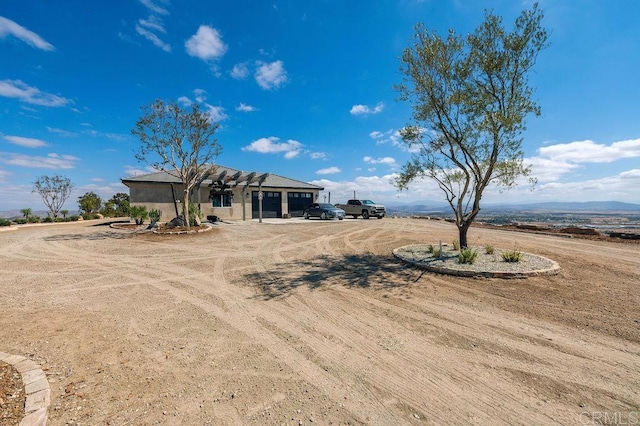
(512, 256)
(21, 221)
(488, 249)
(64, 214)
(456, 245)
(138, 214)
(33, 219)
(4, 222)
(74, 218)
(154, 216)
(467, 255)
(430, 248)
(26, 213)
(437, 252)
(48, 219)
(193, 212)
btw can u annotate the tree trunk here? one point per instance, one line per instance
(462, 233)
(185, 209)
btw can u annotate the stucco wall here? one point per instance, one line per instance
(158, 196)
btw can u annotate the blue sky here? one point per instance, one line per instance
(300, 88)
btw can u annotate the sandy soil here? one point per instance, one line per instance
(316, 321)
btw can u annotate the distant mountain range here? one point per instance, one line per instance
(558, 207)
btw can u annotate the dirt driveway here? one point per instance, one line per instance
(315, 321)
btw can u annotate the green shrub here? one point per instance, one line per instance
(488, 249)
(512, 256)
(4, 222)
(96, 216)
(48, 219)
(139, 214)
(193, 212)
(74, 218)
(430, 248)
(21, 221)
(456, 245)
(33, 219)
(467, 255)
(437, 253)
(154, 216)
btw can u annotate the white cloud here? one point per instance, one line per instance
(376, 188)
(200, 95)
(206, 44)
(153, 23)
(376, 135)
(272, 145)
(9, 27)
(318, 155)
(270, 75)
(61, 132)
(154, 7)
(184, 101)
(240, 71)
(384, 160)
(591, 152)
(245, 108)
(31, 95)
(365, 110)
(3, 175)
(328, 171)
(51, 161)
(130, 171)
(216, 113)
(152, 38)
(25, 142)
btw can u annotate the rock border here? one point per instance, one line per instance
(36, 388)
(553, 269)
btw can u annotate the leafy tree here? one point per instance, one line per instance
(54, 190)
(121, 204)
(64, 214)
(26, 212)
(470, 97)
(178, 141)
(108, 209)
(89, 203)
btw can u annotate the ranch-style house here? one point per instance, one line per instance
(228, 194)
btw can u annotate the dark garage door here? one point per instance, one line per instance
(298, 201)
(271, 204)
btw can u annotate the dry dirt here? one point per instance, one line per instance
(315, 321)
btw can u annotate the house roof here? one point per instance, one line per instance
(229, 175)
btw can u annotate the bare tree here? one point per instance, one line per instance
(54, 190)
(179, 142)
(470, 98)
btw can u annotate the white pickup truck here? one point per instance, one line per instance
(364, 208)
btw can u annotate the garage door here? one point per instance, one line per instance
(271, 204)
(298, 201)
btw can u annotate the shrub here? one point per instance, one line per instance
(437, 253)
(456, 245)
(96, 216)
(74, 218)
(512, 256)
(467, 255)
(430, 248)
(488, 249)
(33, 219)
(21, 221)
(139, 214)
(193, 212)
(4, 222)
(48, 219)
(154, 216)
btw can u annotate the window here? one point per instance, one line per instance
(221, 200)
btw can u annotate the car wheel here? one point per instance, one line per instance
(340, 218)
(380, 217)
(365, 214)
(323, 216)
(306, 215)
